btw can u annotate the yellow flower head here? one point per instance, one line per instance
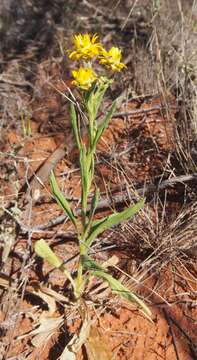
(85, 47)
(112, 59)
(84, 78)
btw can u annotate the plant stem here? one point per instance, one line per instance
(80, 280)
(87, 173)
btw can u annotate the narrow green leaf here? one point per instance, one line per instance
(88, 99)
(93, 207)
(104, 124)
(43, 250)
(95, 97)
(98, 96)
(83, 167)
(89, 264)
(64, 204)
(112, 220)
(122, 291)
(94, 202)
(116, 286)
(88, 169)
(73, 117)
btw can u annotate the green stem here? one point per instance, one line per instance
(79, 279)
(82, 247)
(86, 184)
(69, 277)
(87, 173)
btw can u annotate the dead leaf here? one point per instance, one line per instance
(96, 347)
(49, 300)
(54, 294)
(45, 330)
(112, 261)
(79, 339)
(7, 239)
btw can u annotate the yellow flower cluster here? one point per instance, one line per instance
(87, 48)
(112, 59)
(84, 77)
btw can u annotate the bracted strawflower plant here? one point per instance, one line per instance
(93, 87)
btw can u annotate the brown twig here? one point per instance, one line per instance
(138, 112)
(15, 83)
(169, 321)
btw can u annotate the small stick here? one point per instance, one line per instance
(193, 348)
(169, 321)
(137, 112)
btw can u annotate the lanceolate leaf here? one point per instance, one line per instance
(64, 204)
(122, 291)
(83, 167)
(90, 264)
(112, 220)
(114, 284)
(94, 99)
(98, 96)
(73, 117)
(104, 124)
(43, 250)
(94, 202)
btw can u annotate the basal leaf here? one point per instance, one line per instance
(116, 286)
(122, 291)
(43, 250)
(112, 220)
